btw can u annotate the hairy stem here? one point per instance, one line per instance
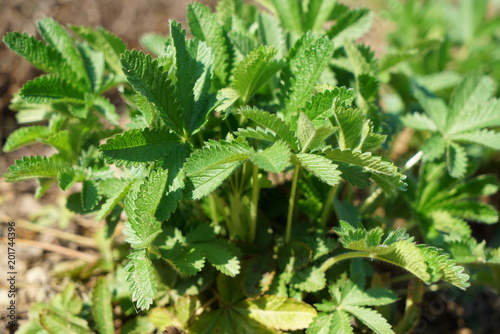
(255, 202)
(333, 260)
(291, 205)
(325, 214)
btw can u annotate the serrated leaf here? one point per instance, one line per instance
(62, 142)
(272, 122)
(353, 128)
(115, 190)
(189, 260)
(456, 160)
(350, 24)
(205, 26)
(370, 318)
(441, 267)
(271, 33)
(51, 89)
(104, 41)
(394, 58)
(433, 106)
(369, 297)
(305, 69)
(42, 56)
(140, 206)
(434, 148)
(155, 43)
(108, 110)
(309, 280)
(207, 168)
(194, 69)
(101, 307)
(476, 211)
(221, 255)
(25, 136)
(56, 36)
(384, 173)
(140, 146)
(254, 71)
(273, 159)
(326, 323)
(94, 66)
(90, 195)
(147, 77)
(257, 133)
(278, 312)
(35, 166)
(488, 138)
(321, 105)
(320, 166)
(53, 323)
(141, 278)
(419, 121)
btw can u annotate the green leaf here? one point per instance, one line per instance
(322, 104)
(35, 166)
(433, 106)
(140, 146)
(309, 280)
(475, 211)
(441, 267)
(434, 148)
(155, 43)
(57, 37)
(94, 66)
(370, 318)
(305, 69)
(272, 122)
(141, 278)
(90, 195)
(353, 128)
(326, 323)
(318, 12)
(194, 69)
(108, 110)
(273, 159)
(42, 56)
(53, 323)
(140, 207)
(205, 26)
(110, 45)
(488, 138)
(271, 33)
(61, 141)
(257, 133)
(147, 77)
(101, 307)
(369, 297)
(222, 255)
(320, 166)
(254, 71)
(51, 89)
(207, 168)
(349, 24)
(25, 136)
(394, 58)
(419, 121)
(115, 190)
(456, 160)
(384, 173)
(278, 312)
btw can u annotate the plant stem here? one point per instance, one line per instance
(255, 202)
(291, 205)
(235, 223)
(213, 208)
(326, 206)
(333, 260)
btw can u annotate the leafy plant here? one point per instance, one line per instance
(256, 154)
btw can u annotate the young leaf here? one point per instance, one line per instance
(305, 68)
(271, 33)
(25, 136)
(349, 24)
(141, 278)
(147, 77)
(384, 173)
(370, 318)
(273, 159)
(207, 168)
(272, 122)
(140, 146)
(35, 166)
(278, 312)
(254, 71)
(94, 66)
(320, 166)
(51, 89)
(54, 323)
(115, 190)
(326, 323)
(101, 307)
(56, 36)
(205, 26)
(42, 56)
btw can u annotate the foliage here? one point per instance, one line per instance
(257, 160)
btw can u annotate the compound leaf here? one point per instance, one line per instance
(141, 278)
(273, 159)
(321, 167)
(25, 136)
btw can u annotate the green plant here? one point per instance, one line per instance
(218, 239)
